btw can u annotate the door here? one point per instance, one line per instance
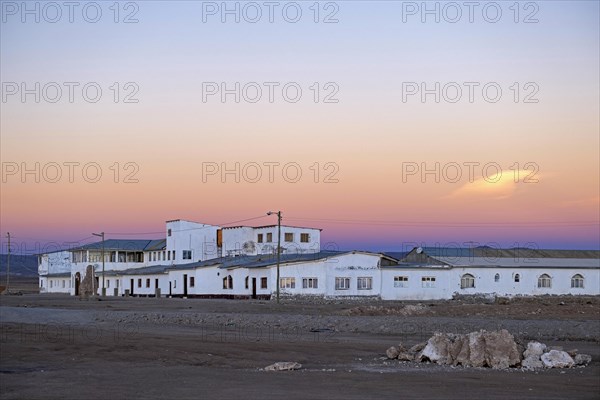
(156, 283)
(131, 288)
(253, 288)
(170, 286)
(77, 282)
(185, 285)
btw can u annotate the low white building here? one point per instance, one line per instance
(441, 273)
(200, 260)
(422, 274)
(53, 269)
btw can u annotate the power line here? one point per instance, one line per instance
(451, 224)
(184, 230)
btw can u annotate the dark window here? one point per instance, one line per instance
(139, 282)
(192, 281)
(263, 283)
(304, 238)
(260, 238)
(147, 282)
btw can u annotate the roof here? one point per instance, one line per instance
(151, 270)
(258, 261)
(516, 252)
(125, 244)
(58, 275)
(429, 257)
(270, 226)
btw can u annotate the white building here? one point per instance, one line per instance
(248, 240)
(200, 260)
(54, 271)
(440, 273)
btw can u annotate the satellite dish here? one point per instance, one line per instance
(419, 250)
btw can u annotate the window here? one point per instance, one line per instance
(342, 283)
(174, 284)
(168, 232)
(260, 238)
(139, 282)
(428, 281)
(304, 238)
(364, 283)
(497, 278)
(154, 256)
(107, 284)
(289, 237)
(577, 281)
(164, 255)
(117, 283)
(168, 255)
(269, 237)
(173, 255)
(246, 282)
(187, 254)
(50, 282)
(467, 281)
(263, 283)
(147, 282)
(517, 278)
(544, 281)
(401, 281)
(63, 283)
(228, 282)
(310, 283)
(192, 281)
(287, 283)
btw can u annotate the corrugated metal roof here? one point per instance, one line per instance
(509, 262)
(57, 275)
(151, 270)
(490, 252)
(125, 245)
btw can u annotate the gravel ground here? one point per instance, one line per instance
(55, 346)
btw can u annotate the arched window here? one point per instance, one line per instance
(577, 281)
(517, 278)
(467, 281)
(544, 281)
(246, 281)
(497, 278)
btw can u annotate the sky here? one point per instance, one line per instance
(385, 123)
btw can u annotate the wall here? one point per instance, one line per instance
(187, 235)
(448, 282)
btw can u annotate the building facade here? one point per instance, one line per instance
(199, 260)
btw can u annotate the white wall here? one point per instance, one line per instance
(234, 240)
(201, 239)
(55, 284)
(448, 282)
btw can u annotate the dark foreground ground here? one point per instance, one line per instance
(59, 347)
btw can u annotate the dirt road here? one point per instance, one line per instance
(56, 346)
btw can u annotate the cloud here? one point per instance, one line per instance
(498, 186)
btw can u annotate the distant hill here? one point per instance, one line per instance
(20, 265)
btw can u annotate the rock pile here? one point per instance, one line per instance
(283, 366)
(492, 349)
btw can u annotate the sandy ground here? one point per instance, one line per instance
(56, 346)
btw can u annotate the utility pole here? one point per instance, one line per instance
(101, 234)
(8, 264)
(278, 247)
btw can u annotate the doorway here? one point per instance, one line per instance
(131, 286)
(77, 283)
(184, 285)
(254, 288)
